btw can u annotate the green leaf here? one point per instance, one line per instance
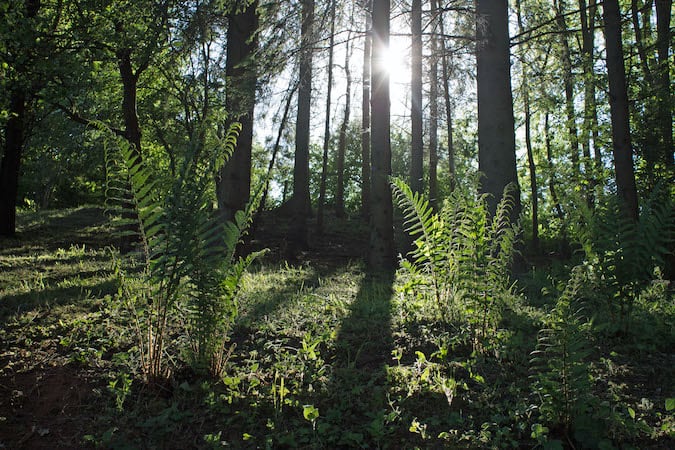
(310, 413)
(670, 404)
(631, 413)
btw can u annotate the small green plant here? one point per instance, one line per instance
(120, 387)
(560, 373)
(461, 255)
(187, 255)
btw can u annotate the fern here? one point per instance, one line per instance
(559, 370)
(188, 257)
(461, 255)
(624, 254)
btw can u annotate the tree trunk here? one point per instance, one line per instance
(381, 250)
(298, 238)
(496, 137)
(342, 140)
(326, 133)
(15, 133)
(448, 103)
(132, 127)
(665, 106)
(433, 113)
(11, 161)
(590, 128)
(568, 80)
(417, 145)
(233, 182)
(365, 118)
(618, 103)
(525, 90)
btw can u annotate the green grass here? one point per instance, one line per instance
(325, 356)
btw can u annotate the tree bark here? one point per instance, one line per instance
(417, 145)
(568, 80)
(381, 249)
(298, 238)
(496, 137)
(233, 182)
(326, 133)
(365, 118)
(665, 106)
(448, 103)
(433, 113)
(342, 140)
(11, 161)
(590, 135)
(15, 133)
(618, 103)
(525, 91)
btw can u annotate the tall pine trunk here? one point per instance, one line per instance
(342, 140)
(618, 103)
(11, 161)
(298, 238)
(417, 145)
(381, 248)
(326, 132)
(496, 137)
(233, 184)
(433, 112)
(365, 118)
(446, 97)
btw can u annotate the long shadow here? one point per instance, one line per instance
(356, 404)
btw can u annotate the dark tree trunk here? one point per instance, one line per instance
(590, 128)
(233, 183)
(365, 118)
(381, 251)
(417, 145)
(15, 133)
(663, 18)
(326, 133)
(525, 91)
(342, 140)
(618, 103)
(11, 161)
(433, 114)
(568, 80)
(298, 238)
(448, 103)
(132, 127)
(496, 137)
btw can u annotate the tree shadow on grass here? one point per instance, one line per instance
(354, 411)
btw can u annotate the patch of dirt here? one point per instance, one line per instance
(46, 408)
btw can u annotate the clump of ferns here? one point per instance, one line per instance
(461, 256)
(187, 255)
(561, 385)
(625, 256)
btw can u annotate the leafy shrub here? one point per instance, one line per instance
(461, 256)
(187, 256)
(625, 256)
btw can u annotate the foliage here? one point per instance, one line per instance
(625, 256)
(187, 256)
(560, 372)
(461, 256)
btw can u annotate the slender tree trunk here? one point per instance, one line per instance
(381, 250)
(448, 103)
(568, 79)
(665, 105)
(417, 145)
(433, 113)
(342, 140)
(365, 118)
(590, 128)
(618, 103)
(233, 182)
(132, 127)
(525, 90)
(301, 201)
(552, 178)
(11, 161)
(326, 133)
(496, 137)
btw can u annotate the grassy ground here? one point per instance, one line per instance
(325, 356)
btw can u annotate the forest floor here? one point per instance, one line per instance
(324, 356)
